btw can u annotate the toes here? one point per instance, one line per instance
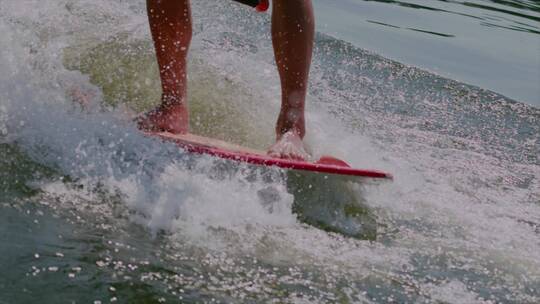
(274, 154)
(290, 146)
(144, 123)
(287, 152)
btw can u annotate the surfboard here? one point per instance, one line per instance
(225, 150)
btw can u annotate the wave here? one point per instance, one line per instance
(460, 220)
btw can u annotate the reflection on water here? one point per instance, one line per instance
(521, 9)
(412, 29)
(492, 44)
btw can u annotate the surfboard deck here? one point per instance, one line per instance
(222, 149)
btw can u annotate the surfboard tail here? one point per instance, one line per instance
(330, 160)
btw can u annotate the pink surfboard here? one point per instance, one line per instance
(218, 148)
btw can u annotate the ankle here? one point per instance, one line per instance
(290, 131)
(291, 121)
(172, 101)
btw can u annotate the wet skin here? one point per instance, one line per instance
(292, 38)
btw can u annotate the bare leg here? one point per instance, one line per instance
(292, 37)
(293, 29)
(170, 24)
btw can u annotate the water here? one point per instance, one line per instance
(92, 211)
(491, 44)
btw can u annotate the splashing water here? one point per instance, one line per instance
(94, 211)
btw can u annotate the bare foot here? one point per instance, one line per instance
(289, 146)
(169, 118)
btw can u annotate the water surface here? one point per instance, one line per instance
(491, 44)
(92, 211)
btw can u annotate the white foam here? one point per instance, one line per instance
(442, 201)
